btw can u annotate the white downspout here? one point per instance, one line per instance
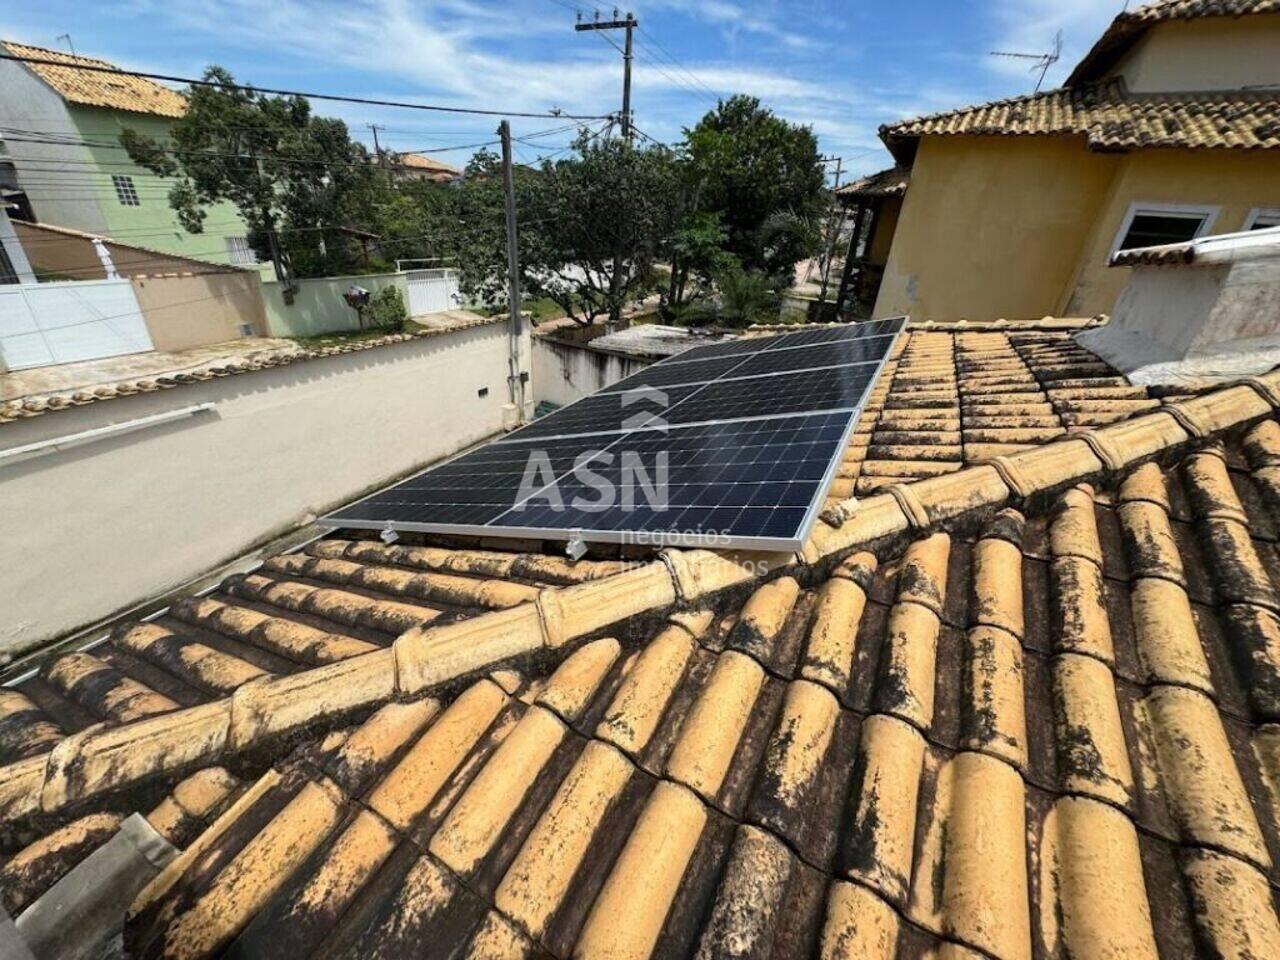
(104, 256)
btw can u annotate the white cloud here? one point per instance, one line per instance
(523, 56)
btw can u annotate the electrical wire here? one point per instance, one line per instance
(650, 38)
(338, 98)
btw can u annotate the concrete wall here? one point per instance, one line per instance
(191, 311)
(1192, 324)
(886, 225)
(1235, 181)
(1213, 53)
(58, 255)
(95, 529)
(564, 372)
(153, 222)
(318, 306)
(46, 170)
(992, 227)
(1023, 227)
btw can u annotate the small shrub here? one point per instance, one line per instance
(746, 297)
(386, 310)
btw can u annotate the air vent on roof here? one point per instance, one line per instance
(728, 445)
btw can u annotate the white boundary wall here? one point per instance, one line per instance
(97, 528)
(564, 371)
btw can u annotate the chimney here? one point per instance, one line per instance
(1195, 313)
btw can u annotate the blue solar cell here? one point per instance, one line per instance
(731, 444)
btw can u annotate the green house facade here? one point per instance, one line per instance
(61, 162)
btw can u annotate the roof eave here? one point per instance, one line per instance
(1106, 51)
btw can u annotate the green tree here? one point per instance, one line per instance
(612, 207)
(473, 229)
(291, 174)
(574, 216)
(746, 296)
(697, 252)
(749, 167)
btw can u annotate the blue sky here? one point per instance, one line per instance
(845, 68)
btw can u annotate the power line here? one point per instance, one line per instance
(272, 158)
(701, 88)
(338, 98)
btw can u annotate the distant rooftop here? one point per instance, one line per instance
(418, 162)
(653, 340)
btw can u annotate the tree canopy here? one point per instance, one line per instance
(760, 176)
(298, 180)
(731, 209)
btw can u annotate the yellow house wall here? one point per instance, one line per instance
(1215, 53)
(992, 227)
(886, 226)
(1235, 181)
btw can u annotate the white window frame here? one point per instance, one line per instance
(243, 256)
(1206, 211)
(125, 187)
(1257, 213)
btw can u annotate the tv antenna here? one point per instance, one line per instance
(1043, 61)
(67, 37)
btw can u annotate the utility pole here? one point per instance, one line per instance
(837, 215)
(514, 381)
(377, 150)
(629, 25)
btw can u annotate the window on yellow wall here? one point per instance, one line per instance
(126, 192)
(1155, 225)
(1262, 218)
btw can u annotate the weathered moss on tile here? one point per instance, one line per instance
(993, 711)
(713, 727)
(638, 705)
(482, 812)
(1233, 906)
(628, 915)
(1202, 782)
(37, 867)
(1093, 893)
(1093, 755)
(536, 883)
(880, 843)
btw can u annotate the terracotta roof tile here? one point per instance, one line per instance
(886, 183)
(1110, 118)
(1018, 710)
(97, 88)
(1129, 25)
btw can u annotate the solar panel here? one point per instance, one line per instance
(734, 449)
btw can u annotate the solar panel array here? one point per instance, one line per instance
(733, 445)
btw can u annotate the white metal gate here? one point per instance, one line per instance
(432, 291)
(66, 321)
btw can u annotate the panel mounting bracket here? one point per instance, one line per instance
(576, 548)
